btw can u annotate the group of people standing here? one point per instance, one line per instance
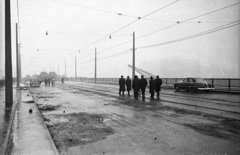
(49, 81)
(139, 86)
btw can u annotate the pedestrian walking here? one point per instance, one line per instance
(128, 84)
(152, 86)
(48, 81)
(45, 81)
(121, 83)
(143, 84)
(135, 86)
(53, 82)
(62, 80)
(158, 85)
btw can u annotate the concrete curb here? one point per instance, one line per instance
(6, 140)
(45, 127)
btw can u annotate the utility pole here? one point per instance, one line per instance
(58, 69)
(65, 69)
(17, 57)
(20, 66)
(8, 55)
(75, 67)
(133, 62)
(95, 75)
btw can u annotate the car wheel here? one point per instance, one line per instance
(206, 91)
(176, 88)
(194, 90)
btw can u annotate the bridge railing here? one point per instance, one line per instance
(221, 83)
(229, 83)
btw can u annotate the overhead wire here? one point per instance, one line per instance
(195, 35)
(125, 26)
(121, 14)
(117, 54)
(189, 20)
(129, 24)
(74, 33)
(114, 55)
(164, 28)
(96, 9)
(173, 25)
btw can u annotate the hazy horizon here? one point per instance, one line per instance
(173, 39)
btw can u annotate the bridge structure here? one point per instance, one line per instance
(229, 84)
(142, 72)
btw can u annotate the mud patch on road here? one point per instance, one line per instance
(225, 129)
(48, 107)
(207, 129)
(43, 97)
(76, 129)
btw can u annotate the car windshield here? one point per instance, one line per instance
(199, 80)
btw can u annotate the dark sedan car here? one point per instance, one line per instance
(193, 84)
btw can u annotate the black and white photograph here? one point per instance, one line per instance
(119, 77)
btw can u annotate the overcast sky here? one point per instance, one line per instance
(172, 38)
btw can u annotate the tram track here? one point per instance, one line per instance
(220, 111)
(206, 123)
(189, 97)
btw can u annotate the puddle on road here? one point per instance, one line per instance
(76, 129)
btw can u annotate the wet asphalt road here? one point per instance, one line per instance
(139, 127)
(219, 104)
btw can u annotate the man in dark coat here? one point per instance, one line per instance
(45, 81)
(152, 86)
(62, 79)
(121, 83)
(135, 86)
(158, 85)
(143, 84)
(48, 81)
(128, 84)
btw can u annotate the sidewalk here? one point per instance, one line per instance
(30, 135)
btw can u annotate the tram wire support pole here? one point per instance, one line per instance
(20, 66)
(65, 69)
(75, 68)
(17, 57)
(8, 55)
(133, 62)
(95, 71)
